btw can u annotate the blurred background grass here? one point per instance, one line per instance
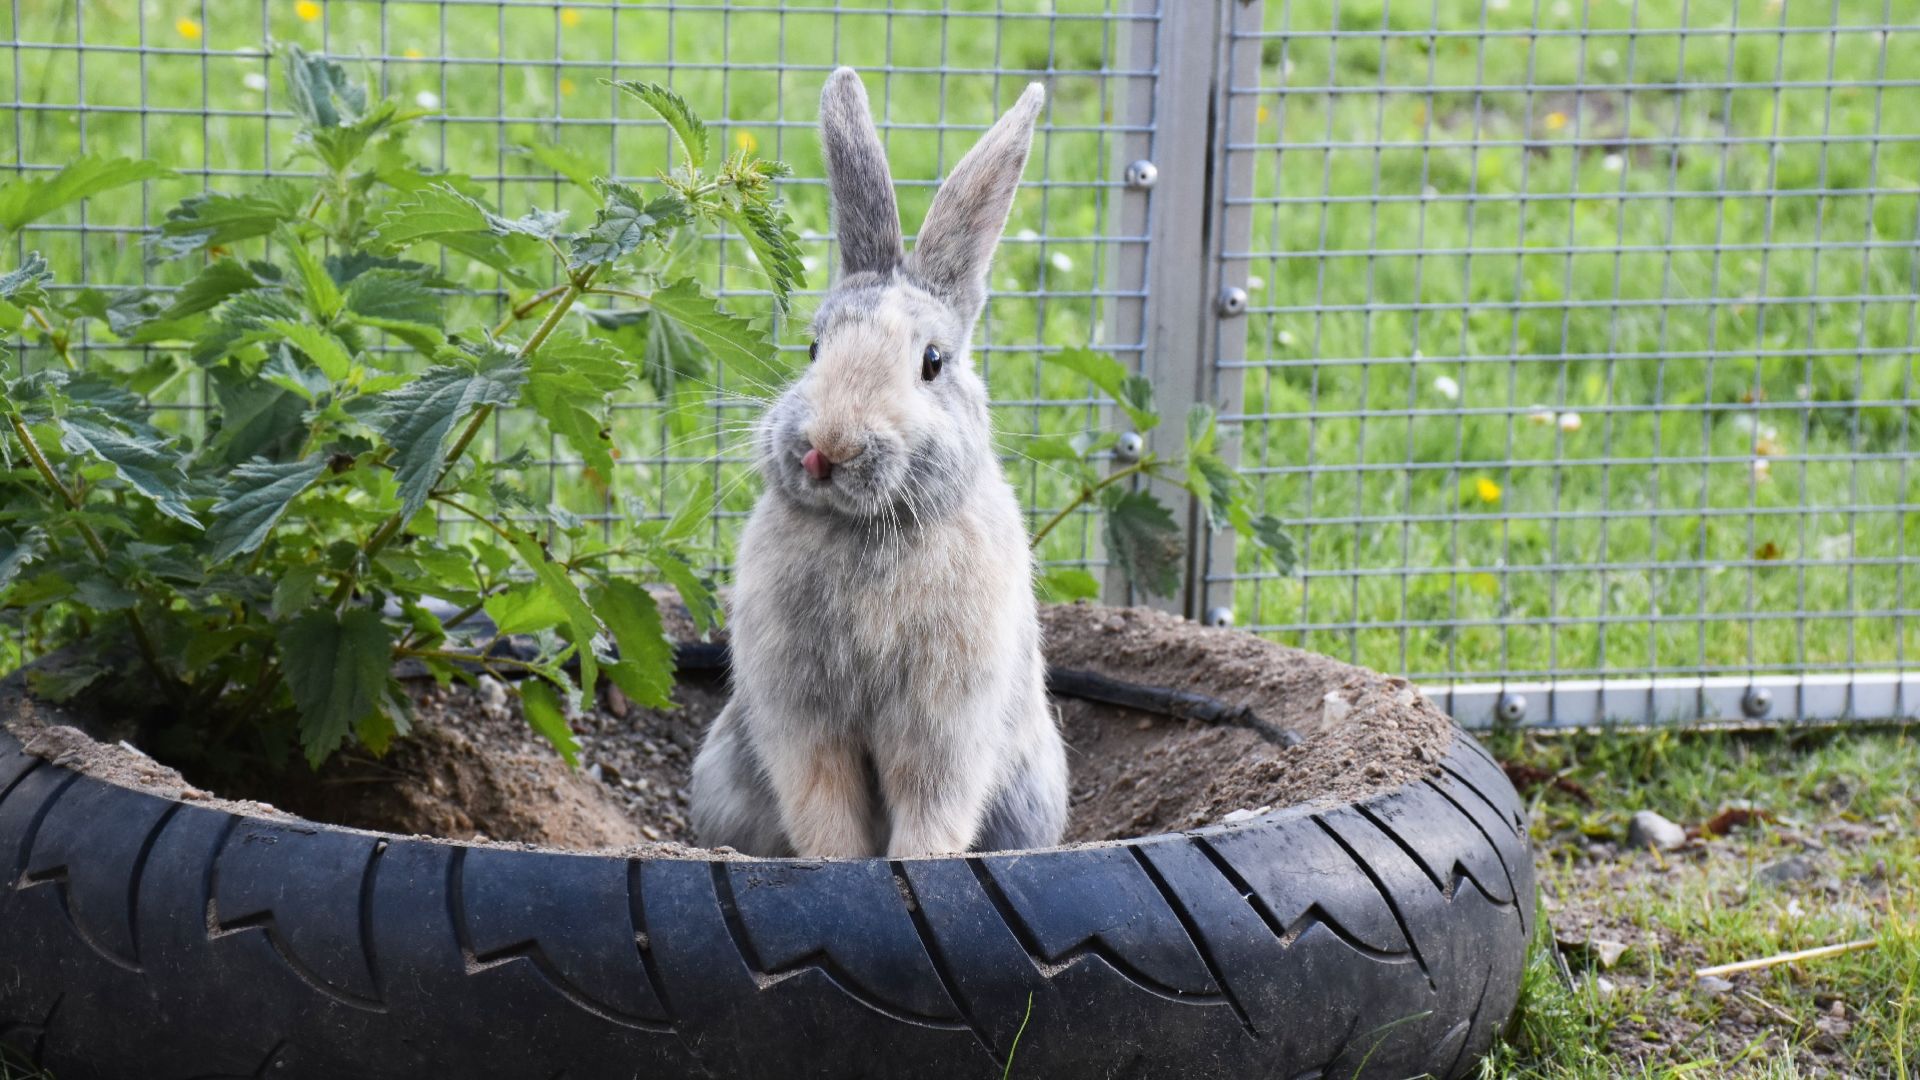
(1691, 228)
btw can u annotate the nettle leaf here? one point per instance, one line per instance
(321, 92)
(645, 670)
(1272, 534)
(695, 591)
(1065, 584)
(1216, 485)
(257, 418)
(19, 552)
(125, 311)
(316, 284)
(321, 347)
(538, 223)
(399, 302)
(524, 609)
(336, 667)
(295, 589)
(24, 201)
(429, 214)
(1203, 428)
(626, 220)
(581, 622)
(541, 705)
(148, 465)
(223, 220)
(283, 371)
(669, 353)
(256, 494)
(744, 347)
(769, 232)
(215, 282)
(26, 286)
(1133, 393)
(679, 116)
(1144, 540)
(416, 418)
(568, 384)
(237, 319)
(441, 214)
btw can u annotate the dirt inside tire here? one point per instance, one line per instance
(474, 771)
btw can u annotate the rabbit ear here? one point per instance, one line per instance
(963, 225)
(865, 217)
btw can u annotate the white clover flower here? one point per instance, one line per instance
(1569, 422)
(1540, 417)
(254, 81)
(1027, 234)
(427, 99)
(1061, 261)
(1285, 337)
(1613, 162)
(1446, 387)
(809, 263)
(1255, 282)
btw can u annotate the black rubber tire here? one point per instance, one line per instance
(144, 937)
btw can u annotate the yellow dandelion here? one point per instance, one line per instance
(569, 18)
(307, 10)
(1260, 115)
(566, 87)
(1556, 120)
(745, 141)
(412, 53)
(1487, 490)
(188, 28)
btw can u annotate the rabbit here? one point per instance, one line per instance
(889, 695)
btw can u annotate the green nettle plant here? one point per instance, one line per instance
(1141, 534)
(269, 573)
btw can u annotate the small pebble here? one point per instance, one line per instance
(1648, 829)
(1713, 985)
(1334, 708)
(1791, 868)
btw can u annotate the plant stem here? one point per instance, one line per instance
(627, 293)
(1086, 495)
(447, 500)
(59, 343)
(99, 549)
(526, 308)
(392, 526)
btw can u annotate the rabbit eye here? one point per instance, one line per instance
(813, 351)
(930, 363)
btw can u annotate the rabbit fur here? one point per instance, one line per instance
(888, 689)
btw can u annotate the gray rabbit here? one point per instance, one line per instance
(888, 690)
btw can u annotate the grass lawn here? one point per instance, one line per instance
(1839, 862)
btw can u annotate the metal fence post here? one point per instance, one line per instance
(1178, 131)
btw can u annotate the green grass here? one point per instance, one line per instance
(1597, 554)
(1707, 907)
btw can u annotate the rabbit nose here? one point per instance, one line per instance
(817, 465)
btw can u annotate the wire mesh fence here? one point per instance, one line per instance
(1576, 341)
(1581, 336)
